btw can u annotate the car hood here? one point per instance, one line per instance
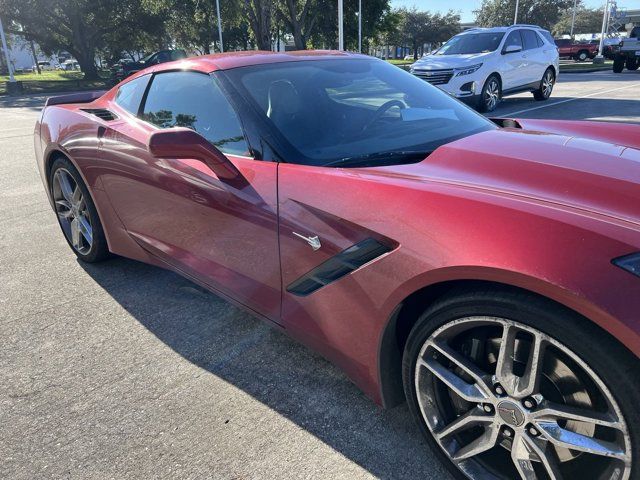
(436, 62)
(585, 174)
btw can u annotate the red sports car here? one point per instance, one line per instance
(485, 271)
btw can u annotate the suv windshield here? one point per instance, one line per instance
(353, 112)
(469, 43)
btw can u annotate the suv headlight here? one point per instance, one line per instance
(630, 263)
(467, 70)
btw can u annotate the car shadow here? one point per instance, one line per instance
(266, 364)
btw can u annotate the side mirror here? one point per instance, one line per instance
(186, 143)
(512, 49)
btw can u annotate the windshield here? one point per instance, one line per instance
(353, 112)
(470, 43)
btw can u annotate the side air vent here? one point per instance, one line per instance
(338, 266)
(102, 113)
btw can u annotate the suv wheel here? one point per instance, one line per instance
(632, 64)
(618, 64)
(546, 85)
(506, 385)
(490, 95)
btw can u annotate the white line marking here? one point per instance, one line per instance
(518, 112)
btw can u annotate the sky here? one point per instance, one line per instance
(466, 7)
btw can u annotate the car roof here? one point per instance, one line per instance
(225, 61)
(500, 29)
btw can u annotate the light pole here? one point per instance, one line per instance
(599, 58)
(359, 26)
(515, 17)
(573, 17)
(6, 53)
(340, 31)
(219, 25)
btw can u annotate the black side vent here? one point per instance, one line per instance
(338, 266)
(102, 113)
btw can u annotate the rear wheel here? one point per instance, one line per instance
(582, 56)
(510, 386)
(490, 95)
(618, 64)
(77, 215)
(632, 64)
(546, 85)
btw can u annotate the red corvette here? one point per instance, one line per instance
(487, 272)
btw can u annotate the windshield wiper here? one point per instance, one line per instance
(383, 157)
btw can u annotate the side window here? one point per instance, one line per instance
(130, 94)
(194, 100)
(539, 40)
(513, 38)
(530, 39)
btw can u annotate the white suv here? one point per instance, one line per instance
(481, 65)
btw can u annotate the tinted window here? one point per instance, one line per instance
(470, 43)
(194, 100)
(547, 36)
(513, 38)
(530, 39)
(130, 94)
(539, 40)
(353, 112)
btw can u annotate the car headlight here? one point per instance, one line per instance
(467, 70)
(630, 263)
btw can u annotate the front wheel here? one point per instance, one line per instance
(546, 86)
(510, 386)
(490, 95)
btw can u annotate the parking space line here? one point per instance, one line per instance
(593, 94)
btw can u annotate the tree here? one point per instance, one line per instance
(300, 17)
(418, 28)
(80, 27)
(545, 13)
(260, 13)
(588, 20)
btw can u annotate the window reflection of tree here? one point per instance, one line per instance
(226, 141)
(165, 119)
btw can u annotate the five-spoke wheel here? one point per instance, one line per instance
(76, 212)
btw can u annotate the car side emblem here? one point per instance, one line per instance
(314, 241)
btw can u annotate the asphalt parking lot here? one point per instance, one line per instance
(122, 370)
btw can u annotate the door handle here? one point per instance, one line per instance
(314, 242)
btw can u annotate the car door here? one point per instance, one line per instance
(220, 232)
(536, 62)
(514, 63)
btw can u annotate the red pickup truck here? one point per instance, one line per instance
(581, 52)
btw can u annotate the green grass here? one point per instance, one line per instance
(399, 61)
(45, 76)
(56, 81)
(580, 66)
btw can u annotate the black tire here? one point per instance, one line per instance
(98, 250)
(605, 356)
(618, 64)
(487, 101)
(582, 56)
(632, 64)
(543, 93)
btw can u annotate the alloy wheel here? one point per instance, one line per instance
(72, 211)
(504, 400)
(547, 84)
(492, 94)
